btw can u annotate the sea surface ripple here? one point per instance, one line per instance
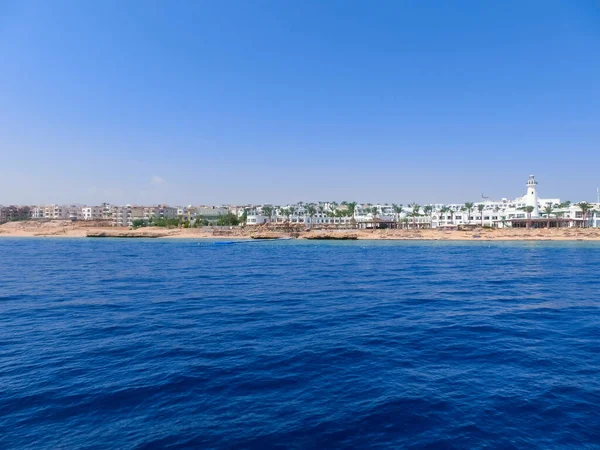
(179, 344)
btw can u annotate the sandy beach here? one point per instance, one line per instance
(62, 228)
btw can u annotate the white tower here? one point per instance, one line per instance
(531, 198)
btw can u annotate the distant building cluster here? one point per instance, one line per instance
(526, 211)
(118, 216)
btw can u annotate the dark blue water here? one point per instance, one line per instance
(148, 344)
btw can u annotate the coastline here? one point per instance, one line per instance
(82, 230)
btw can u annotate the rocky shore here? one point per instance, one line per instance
(57, 228)
(124, 234)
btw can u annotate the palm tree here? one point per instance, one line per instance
(321, 211)
(548, 210)
(503, 219)
(565, 205)
(585, 207)
(351, 208)
(244, 217)
(528, 210)
(469, 208)
(428, 210)
(451, 211)
(289, 212)
(480, 208)
(267, 211)
(443, 211)
(415, 212)
(462, 210)
(374, 211)
(398, 209)
(311, 211)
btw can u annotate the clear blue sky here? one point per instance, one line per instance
(276, 101)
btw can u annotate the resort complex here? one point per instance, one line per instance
(528, 211)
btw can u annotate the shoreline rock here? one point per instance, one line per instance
(331, 237)
(123, 234)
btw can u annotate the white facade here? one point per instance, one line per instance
(92, 212)
(160, 212)
(256, 219)
(497, 213)
(297, 214)
(37, 212)
(121, 216)
(487, 213)
(62, 212)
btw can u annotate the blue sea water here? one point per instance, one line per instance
(179, 344)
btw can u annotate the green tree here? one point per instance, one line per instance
(442, 213)
(451, 212)
(351, 208)
(267, 211)
(282, 212)
(172, 223)
(244, 217)
(528, 210)
(415, 212)
(199, 221)
(480, 208)
(398, 210)
(503, 219)
(548, 210)
(428, 211)
(321, 211)
(311, 211)
(137, 223)
(565, 205)
(469, 208)
(159, 222)
(585, 208)
(228, 219)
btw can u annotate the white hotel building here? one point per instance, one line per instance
(502, 213)
(511, 213)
